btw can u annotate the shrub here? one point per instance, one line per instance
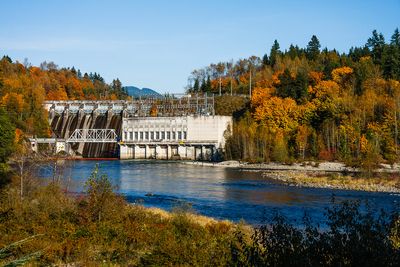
(353, 236)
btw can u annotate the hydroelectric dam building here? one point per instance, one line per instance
(173, 127)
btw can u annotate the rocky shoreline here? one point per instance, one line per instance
(337, 181)
(332, 175)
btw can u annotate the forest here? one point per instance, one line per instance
(24, 88)
(310, 103)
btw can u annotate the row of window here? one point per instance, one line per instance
(138, 136)
(159, 126)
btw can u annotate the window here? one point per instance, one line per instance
(168, 135)
(136, 136)
(173, 135)
(184, 135)
(163, 135)
(152, 136)
(157, 135)
(126, 136)
(141, 135)
(179, 135)
(146, 135)
(130, 135)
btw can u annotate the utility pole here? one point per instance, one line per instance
(219, 85)
(231, 85)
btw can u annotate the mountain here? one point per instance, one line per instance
(137, 92)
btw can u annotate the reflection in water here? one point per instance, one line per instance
(216, 192)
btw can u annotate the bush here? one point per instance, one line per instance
(353, 236)
(101, 228)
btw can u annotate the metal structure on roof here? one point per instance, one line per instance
(167, 106)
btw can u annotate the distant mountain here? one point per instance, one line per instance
(137, 92)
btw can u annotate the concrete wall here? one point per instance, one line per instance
(204, 128)
(179, 129)
(187, 137)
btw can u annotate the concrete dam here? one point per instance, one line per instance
(177, 127)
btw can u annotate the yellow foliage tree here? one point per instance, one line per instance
(13, 102)
(259, 95)
(278, 113)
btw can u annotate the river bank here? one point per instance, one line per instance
(332, 175)
(386, 183)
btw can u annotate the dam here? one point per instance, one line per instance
(169, 127)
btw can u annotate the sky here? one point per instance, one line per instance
(157, 44)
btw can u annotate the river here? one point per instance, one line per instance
(221, 193)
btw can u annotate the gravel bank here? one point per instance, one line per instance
(334, 175)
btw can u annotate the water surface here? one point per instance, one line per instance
(221, 193)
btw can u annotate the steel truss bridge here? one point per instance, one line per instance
(93, 136)
(83, 136)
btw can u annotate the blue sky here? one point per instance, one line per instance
(157, 44)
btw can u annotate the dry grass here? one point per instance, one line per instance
(379, 182)
(193, 218)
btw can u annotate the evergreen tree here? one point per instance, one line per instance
(7, 58)
(313, 48)
(376, 44)
(355, 53)
(391, 62)
(395, 38)
(265, 60)
(293, 52)
(274, 53)
(208, 84)
(196, 85)
(203, 87)
(7, 134)
(295, 88)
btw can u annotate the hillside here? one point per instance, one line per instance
(24, 87)
(137, 92)
(312, 103)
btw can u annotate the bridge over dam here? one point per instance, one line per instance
(170, 127)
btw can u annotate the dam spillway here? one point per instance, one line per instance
(183, 127)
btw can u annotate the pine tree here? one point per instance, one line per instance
(196, 85)
(313, 48)
(376, 44)
(274, 53)
(7, 134)
(293, 52)
(395, 38)
(203, 87)
(208, 84)
(265, 60)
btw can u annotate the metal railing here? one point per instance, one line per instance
(93, 136)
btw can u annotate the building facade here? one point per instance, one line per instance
(191, 137)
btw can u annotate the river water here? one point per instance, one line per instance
(220, 193)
